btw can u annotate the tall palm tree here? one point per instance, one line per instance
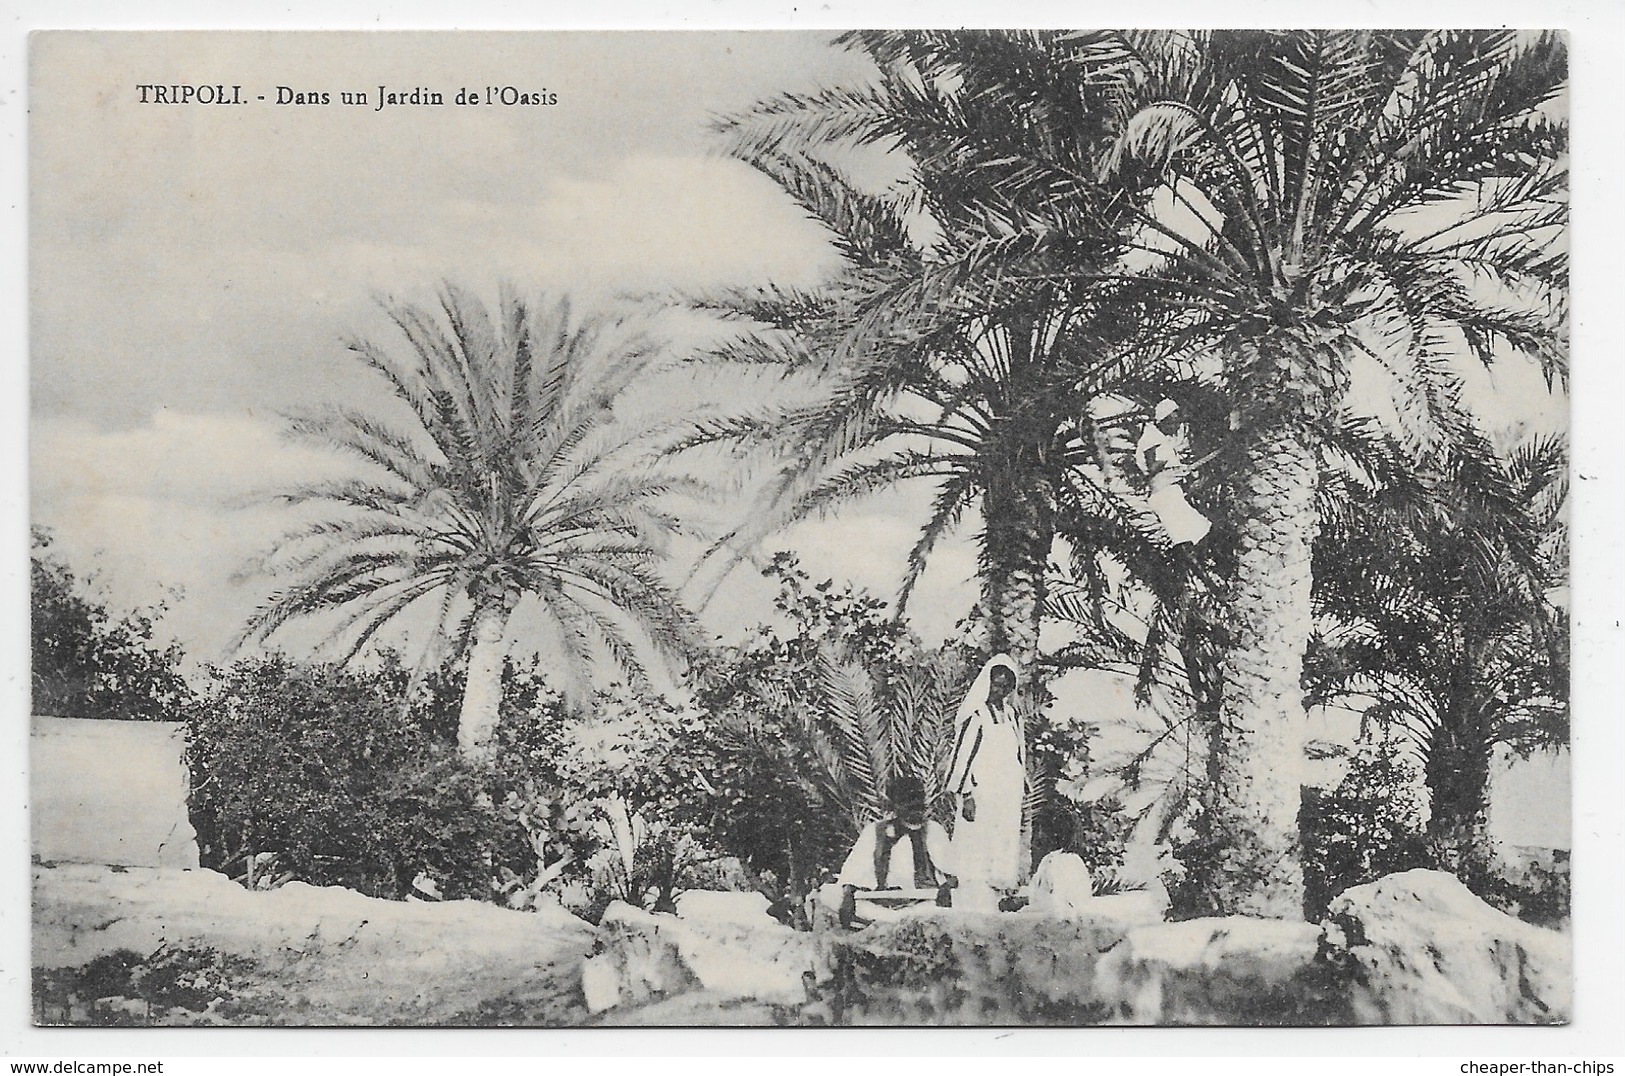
(954, 343)
(496, 474)
(1396, 194)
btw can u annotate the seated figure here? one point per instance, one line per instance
(901, 859)
(1161, 456)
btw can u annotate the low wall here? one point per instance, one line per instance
(110, 792)
(1411, 948)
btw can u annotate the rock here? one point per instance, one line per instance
(958, 967)
(695, 1008)
(1236, 970)
(638, 954)
(332, 955)
(1137, 907)
(713, 906)
(1061, 885)
(600, 983)
(651, 957)
(1411, 948)
(1420, 948)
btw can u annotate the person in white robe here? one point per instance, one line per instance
(988, 776)
(1160, 455)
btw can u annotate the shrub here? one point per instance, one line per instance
(325, 767)
(1365, 828)
(1096, 830)
(321, 773)
(89, 661)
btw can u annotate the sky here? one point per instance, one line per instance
(195, 269)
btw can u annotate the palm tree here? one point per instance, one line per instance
(1288, 200)
(954, 345)
(1436, 587)
(979, 307)
(496, 474)
(1393, 194)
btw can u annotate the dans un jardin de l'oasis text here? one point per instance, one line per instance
(215, 93)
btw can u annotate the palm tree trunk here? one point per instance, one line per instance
(1020, 531)
(1458, 783)
(482, 694)
(1258, 744)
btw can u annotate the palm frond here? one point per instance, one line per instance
(513, 473)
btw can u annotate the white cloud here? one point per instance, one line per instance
(165, 507)
(698, 221)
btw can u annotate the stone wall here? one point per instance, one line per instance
(1413, 948)
(110, 792)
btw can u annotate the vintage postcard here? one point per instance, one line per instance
(890, 528)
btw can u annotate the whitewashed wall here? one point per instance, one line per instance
(110, 792)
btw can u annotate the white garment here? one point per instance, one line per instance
(1153, 440)
(1061, 885)
(988, 767)
(859, 868)
(1182, 522)
(975, 896)
(825, 907)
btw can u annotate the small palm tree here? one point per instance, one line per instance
(829, 743)
(1436, 591)
(496, 475)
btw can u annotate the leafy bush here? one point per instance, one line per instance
(91, 662)
(321, 773)
(1365, 828)
(1096, 830)
(325, 767)
(630, 778)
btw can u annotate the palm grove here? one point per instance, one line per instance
(1248, 224)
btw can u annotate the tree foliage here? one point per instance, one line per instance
(1438, 581)
(497, 475)
(1397, 195)
(91, 662)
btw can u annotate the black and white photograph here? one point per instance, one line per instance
(905, 528)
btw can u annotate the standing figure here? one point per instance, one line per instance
(988, 775)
